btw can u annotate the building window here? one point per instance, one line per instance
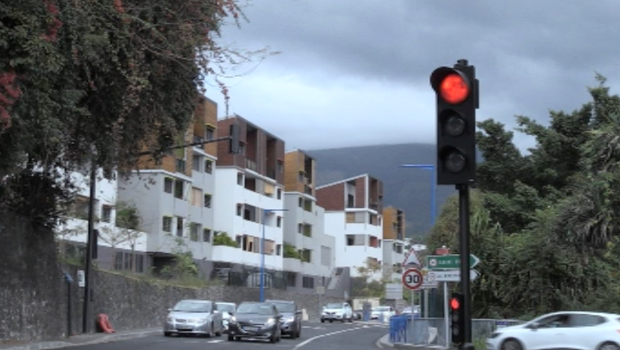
(278, 249)
(209, 133)
(166, 224)
(280, 167)
(196, 196)
(240, 179)
(300, 228)
(206, 235)
(300, 202)
(178, 188)
(168, 185)
(291, 279)
(196, 163)
(279, 193)
(179, 226)
(279, 221)
(306, 255)
(193, 233)
(129, 262)
(308, 282)
(239, 209)
(208, 166)
(106, 213)
(207, 201)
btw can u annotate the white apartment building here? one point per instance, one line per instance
(354, 217)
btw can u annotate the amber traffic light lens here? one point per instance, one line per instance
(454, 89)
(455, 126)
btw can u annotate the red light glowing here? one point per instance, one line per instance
(454, 303)
(454, 89)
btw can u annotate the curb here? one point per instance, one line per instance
(384, 342)
(76, 342)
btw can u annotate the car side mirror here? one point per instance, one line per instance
(534, 326)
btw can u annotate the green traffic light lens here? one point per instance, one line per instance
(454, 162)
(455, 126)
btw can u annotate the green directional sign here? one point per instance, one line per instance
(451, 261)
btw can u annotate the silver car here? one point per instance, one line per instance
(226, 309)
(190, 316)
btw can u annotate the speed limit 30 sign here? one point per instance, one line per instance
(412, 279)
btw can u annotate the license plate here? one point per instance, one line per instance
(250, 329)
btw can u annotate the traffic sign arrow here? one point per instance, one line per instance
(450, 261)
(450, 276)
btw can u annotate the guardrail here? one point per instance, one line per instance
(431, 331)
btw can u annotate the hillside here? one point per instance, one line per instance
(405, 188)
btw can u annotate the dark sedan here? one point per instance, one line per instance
(291, 317)
(255, 320)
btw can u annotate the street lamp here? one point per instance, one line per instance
(262, 252)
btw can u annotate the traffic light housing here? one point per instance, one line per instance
(457, 318)
(457, 100)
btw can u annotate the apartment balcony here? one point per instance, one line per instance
(250, 164)
(199, 139)
(308, 189)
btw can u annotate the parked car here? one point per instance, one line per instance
(194, 317)
(358, 314)
(560, 330)
(255, 320)
(290, 323)
(226, 309)
(382, 311)
(337, 312)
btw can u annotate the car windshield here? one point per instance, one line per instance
(333, 306)
(192, 306)
(261, 309)
(226, 307)
(285, 307)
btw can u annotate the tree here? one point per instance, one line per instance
(90, 82)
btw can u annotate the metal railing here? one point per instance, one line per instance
(431, 331)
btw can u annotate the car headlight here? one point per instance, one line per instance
(232, 320)
(270, 321)
(289, 319)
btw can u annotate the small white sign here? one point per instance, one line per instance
(320, 290)
(449, 276)
(393, 291)
(81, 279)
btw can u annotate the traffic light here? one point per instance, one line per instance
(457, 318)
(457, 100)
(234, 139)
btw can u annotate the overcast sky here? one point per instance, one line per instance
(356, 72)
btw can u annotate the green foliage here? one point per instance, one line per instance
(183, 266)
(291, 252)
(545, 225)
(127, 216)
(222, 238)
(86, 82)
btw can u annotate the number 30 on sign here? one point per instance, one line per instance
(412, 279)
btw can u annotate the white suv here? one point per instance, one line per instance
(337, 312)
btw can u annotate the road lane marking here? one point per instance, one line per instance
(307, 341)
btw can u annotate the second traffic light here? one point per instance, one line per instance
(457, 318)
(457, 99)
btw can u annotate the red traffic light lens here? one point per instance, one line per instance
(454, 89)
(455, 304)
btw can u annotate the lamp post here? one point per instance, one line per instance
(262, 252)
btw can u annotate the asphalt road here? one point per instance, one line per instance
(315, 336)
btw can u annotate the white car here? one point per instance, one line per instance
(561, 330)
(337, 312)
(379, 311)
(225, 309)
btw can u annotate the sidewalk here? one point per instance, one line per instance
(384, 343)
(82, 339)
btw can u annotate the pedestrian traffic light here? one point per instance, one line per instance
(457, 318)
(457, 99)
(234, 139)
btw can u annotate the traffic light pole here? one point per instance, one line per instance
(464, 252)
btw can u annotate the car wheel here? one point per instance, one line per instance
(273, 338)
(322, 321)
(330, 321)
(167, 334)
(511, 344)
(231, 338)
(609, 346)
